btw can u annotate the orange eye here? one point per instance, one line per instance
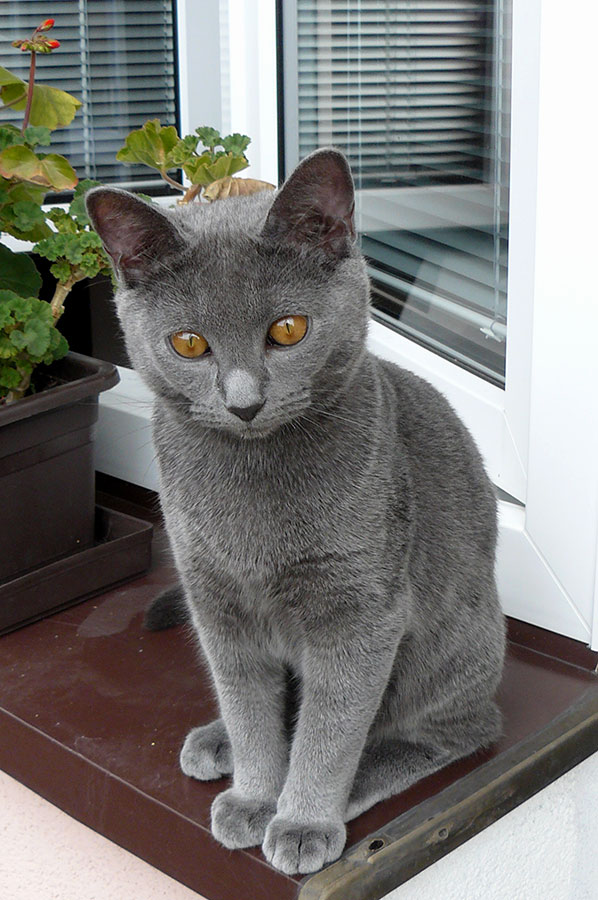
(189, 344)
(288, 330)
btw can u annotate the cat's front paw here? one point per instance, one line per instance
(300, 849)
(239, 821)
(206, 753)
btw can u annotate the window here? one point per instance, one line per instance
(417, 95)
(118, 59)
(538, 431)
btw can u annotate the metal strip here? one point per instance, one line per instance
(413, 841)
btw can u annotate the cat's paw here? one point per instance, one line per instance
(206, 753)
(240, 821)
(301, 849)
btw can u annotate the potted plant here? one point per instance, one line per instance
(53, 539)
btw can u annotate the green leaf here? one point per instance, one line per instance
(24, 191)
(18, 273)
(182, 151)
(12, 193)
(89, 239)
(27, 215)
(58, 346)
(149, 145)
(196, 169)
(221, 167)
(9, 377)
(17, 340)
(50, 106)
(61, 271)
(19, 162)
(77, 208)
(6, 301)
(52, 171)
(37, 337)
(7, 77)
(19, 307)
(208, 136)
(9, 135)
(37, 134)
(7, 349)
(63, 221)
(59, 173)
(236, 144)
(201, 171)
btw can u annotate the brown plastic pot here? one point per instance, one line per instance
(47, 489)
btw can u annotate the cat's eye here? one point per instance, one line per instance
(189, 344)
(287, 331)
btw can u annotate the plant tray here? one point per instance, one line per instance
(121, 550)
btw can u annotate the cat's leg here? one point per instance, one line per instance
(390, 765)
(207, 753)
(345, 668)
(251, 690)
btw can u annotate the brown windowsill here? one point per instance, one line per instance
(93, 710)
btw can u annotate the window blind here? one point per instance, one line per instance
(416, 93)
(409, 79)
(118, 58)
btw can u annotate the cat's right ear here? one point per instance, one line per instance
(315, 206)
(136, 236)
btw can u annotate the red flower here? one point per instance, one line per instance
(53, 44)
(45, 26)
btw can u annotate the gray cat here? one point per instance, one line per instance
(329, 514)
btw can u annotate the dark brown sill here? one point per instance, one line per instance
(93, 710)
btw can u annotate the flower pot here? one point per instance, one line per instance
(46, 466)
(120, 551)
(56, 546)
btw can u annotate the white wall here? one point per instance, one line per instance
(545, 848)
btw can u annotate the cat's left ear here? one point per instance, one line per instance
(136, 236)
(315, 206)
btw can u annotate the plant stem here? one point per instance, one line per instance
(171, 181)
(60, 294)
(29, 93)
(19, 392)
(62, 291)
(190, 194)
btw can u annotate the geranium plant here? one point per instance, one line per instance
(209, 160)
(28, 334)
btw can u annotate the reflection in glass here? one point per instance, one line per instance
(118, 59)
(417, 93)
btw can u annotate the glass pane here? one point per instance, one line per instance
(118, 58)
(417, 93)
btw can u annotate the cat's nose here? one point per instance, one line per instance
(247, 413)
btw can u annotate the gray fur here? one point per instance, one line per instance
(338, 548)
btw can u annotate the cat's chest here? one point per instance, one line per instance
(248, 513)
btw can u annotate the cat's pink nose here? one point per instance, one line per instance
(247, 413)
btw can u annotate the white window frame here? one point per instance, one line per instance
(539, 436)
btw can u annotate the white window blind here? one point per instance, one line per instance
(117, 57)
(416, 92)
(403, 85)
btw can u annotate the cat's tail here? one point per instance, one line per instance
(166, 610)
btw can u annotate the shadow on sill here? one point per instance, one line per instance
(93, 710)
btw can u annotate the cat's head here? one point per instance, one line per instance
(247, 312)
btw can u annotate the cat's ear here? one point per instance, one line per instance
(137, 236)
(315, 205)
